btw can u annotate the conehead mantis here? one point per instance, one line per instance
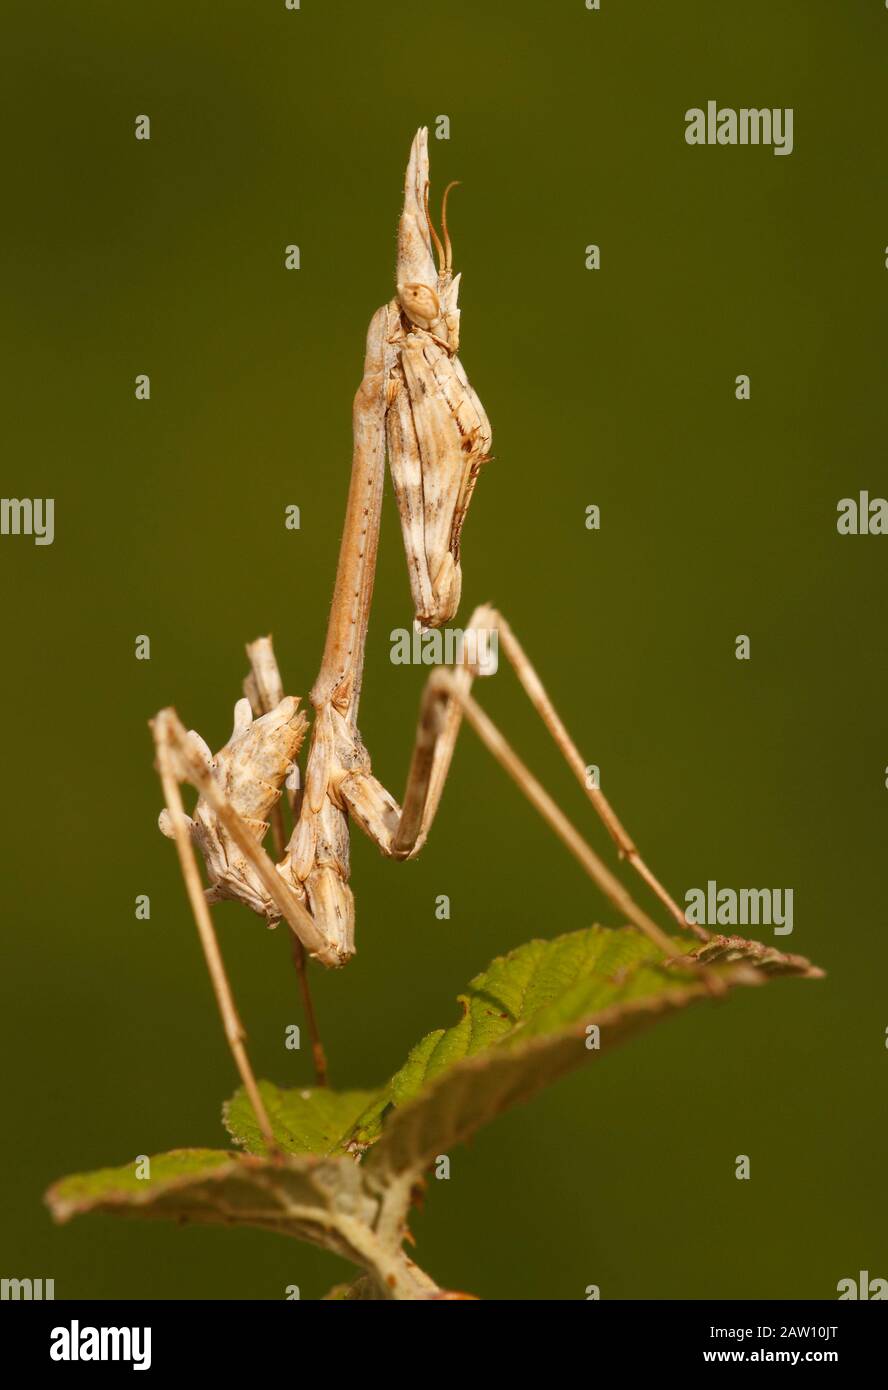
(415, 406)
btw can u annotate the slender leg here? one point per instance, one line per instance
(401, 833)
(547, 712)
(555, 817)
(552, 813)
(164, 739)
(446, 694)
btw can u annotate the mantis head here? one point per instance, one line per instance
(427, 293)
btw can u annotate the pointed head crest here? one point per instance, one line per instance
(427, 292)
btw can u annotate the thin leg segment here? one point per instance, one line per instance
(550, 717)
(165, 738)
(446, 698)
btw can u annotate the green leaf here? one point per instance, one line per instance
(293, 1195)
(109, 1188)
(525, 1022)
(323, 1200)
(304, 1121)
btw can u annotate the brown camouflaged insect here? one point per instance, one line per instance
(416, 405)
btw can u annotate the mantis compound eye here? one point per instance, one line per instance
(420, 304)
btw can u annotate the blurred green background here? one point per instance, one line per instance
(615, 388)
